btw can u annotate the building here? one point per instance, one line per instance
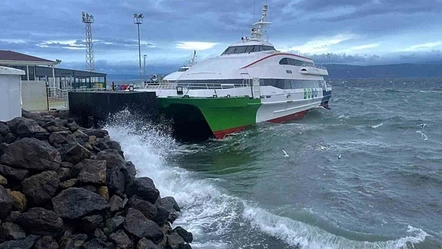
(10, 93)
(39, 69)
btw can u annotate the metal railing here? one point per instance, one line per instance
(208, 86)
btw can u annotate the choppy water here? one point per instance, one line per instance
(366, 174)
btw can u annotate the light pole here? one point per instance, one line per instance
(144, 68)
(138, 19)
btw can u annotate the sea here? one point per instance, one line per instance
(365, 174)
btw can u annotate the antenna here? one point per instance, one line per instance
(258, 27)
(88, 20)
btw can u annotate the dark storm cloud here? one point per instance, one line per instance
(53, 28)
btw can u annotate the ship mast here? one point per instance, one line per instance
(258, 28)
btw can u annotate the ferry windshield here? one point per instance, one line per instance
(247, 49)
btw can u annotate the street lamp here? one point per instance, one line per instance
(144, 67)
(138, 19)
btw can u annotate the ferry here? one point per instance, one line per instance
(250, 82)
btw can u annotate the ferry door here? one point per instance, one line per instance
(256, 88)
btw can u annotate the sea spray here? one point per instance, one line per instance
(218, 219)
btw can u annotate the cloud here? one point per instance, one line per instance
(195, 45)
(321, 44)
(366, 46)
(424, 46)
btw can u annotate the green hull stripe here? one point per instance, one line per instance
(220, 113)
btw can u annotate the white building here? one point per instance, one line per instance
(10, 93)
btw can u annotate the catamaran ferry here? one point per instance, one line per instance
(250, 82)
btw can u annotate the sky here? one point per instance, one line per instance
(361, 32)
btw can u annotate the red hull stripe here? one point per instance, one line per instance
(294, 116)
(221, 134)
(253, 63)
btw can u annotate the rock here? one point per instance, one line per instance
(116, 203)
(99, 234)
(31, 153)
(162, 216)
(144, 188)
(73, 241)
(26, 127)
(15, 174)
(26, 243)
(100, 144)
(90, 223)
(56, 129)
(42, 187)
(92, 140)
(75, 153)
(146, 244)
(121, 240)
(146, 208)
(91, 188)
(114, 223)
(56, 122)
(115, 179)
(41, 221)
(46, 242)
(10, 231)
(139, 226)
(72, 126)
(67, 165)
(73, 203)
(13, 216)
(58, 138)
(3, 180)
(187, 236)
(64, 173)
(9, 138)
(4, 129)
(95, 132)
(174, 241)
(98, 244)
(129, 172)
(69, 183)
(103, 191)
(6, 203)
(94, 171)
(81, 137)
(20, 201)
(169, 203)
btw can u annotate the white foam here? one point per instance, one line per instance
(209, 213)
(377, 126)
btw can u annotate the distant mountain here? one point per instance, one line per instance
(430, 69)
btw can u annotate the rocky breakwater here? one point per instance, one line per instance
(63, 186)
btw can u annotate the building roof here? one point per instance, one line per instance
(11, 71)
(8, 57)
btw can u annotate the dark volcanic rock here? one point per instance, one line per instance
(6, 202)
(4, 129)
(162, 216)
(98, 244)
(58, 138)
(68, 183)
(42, 187)
(116, 203)
(187, 236)
(121, 240)
(169, 203)
(46, 242)
(20, 201)
(31, 153)
(73, 203)
(24, 127)
(129, 172)
(99, 234)
(114, 223)
(96, 132)
(75, 153)
(26, 243)
(115, 181)
(146, 244)
(114, 160)
(174, 241)
(144, 188)
(94, 171)
(64, 173)
(139, 226)
(146, 208)
(15, 174)
(73, 241)
(9, 231)
(90, 223)
(72, 126)
(41, 221)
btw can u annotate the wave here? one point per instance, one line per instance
(217, 219)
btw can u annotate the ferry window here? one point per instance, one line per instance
(293, 62)
(267, 48)
(240, 50)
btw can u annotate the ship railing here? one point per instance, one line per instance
(208, 86)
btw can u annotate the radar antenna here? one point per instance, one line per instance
(258, 28)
